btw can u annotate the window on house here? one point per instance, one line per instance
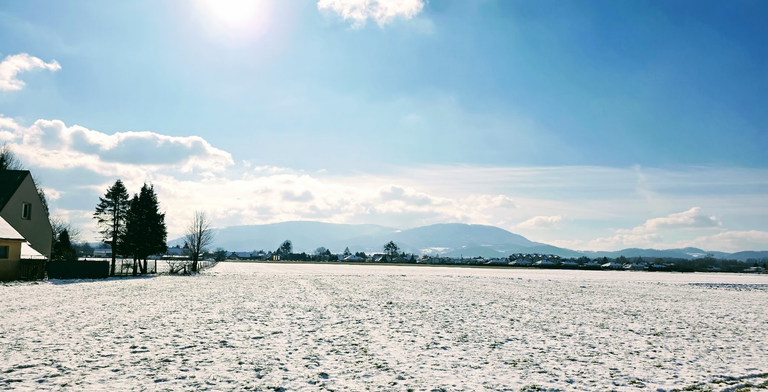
(26, 211)
(3, 252)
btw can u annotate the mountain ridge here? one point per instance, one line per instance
(445, 239)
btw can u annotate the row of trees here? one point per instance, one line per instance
(700, 264)
(135, 227)
(132, 227)
(285, 252)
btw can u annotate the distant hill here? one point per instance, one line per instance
(457, 235)
(305, 236)
(749, 254)
(450, 239)
(308, 236)
(487, 251)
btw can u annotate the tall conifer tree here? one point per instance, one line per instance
(111, 214)
(131, 237)
(145, 232)
(156, 233)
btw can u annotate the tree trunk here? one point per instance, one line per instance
(112, 271)
(113, 245)
(197, 250)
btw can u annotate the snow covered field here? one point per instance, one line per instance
(340, 327)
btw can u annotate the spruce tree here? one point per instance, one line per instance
(63, 249)
(131, 237)
(156, 233)
(110, 215)
(145, 231)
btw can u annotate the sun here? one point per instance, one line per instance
(243, 18)
(233, 12)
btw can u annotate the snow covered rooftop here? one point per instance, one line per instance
(28, 253)
(7, 232)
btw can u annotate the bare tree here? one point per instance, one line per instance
(64, 237)
(199, 236)
(59, 224)
(8, 160)
(176, 266)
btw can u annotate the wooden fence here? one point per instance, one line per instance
(125, 267)
(32, 269)
(96, 269)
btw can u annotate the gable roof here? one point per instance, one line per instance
(7, 232)
(10, 180)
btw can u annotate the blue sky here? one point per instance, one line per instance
(576, 123)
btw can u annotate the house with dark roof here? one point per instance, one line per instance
(613, 265)
(23, 211)
(10, 251)
(239, 256)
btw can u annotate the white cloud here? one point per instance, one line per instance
(54, 145)
(382, 11)
(277, 197)
(730, 241)
(691, 219)
(76, 165)
(615, 242)
(646, 235)
(569, 244)
(302, 197)
(14, 64)
(51, 194)
(189, 173)
(485, 202)
(622, 241)
(541, 222)
(394, 194)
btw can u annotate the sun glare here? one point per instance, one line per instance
(243, 19)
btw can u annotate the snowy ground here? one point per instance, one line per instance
(340, 327)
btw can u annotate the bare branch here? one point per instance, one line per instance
(8, 160)
(199, 236)
(59, 224)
